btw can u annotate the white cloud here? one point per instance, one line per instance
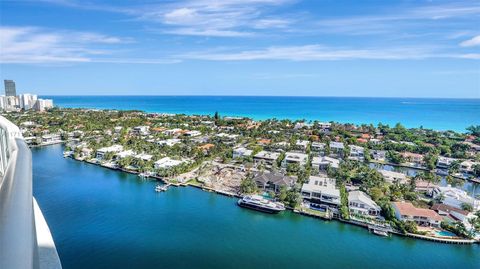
(40, 46)
(228, 18)
(324, 53)
(311, 53)
(472, 42)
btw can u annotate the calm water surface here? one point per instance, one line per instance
(440, 114)
(101, 218)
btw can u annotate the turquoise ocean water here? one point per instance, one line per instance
(101, 218)
(439, 114)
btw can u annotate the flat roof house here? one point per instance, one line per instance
(393, 177)
(294, 157)
(167, 162)
(360, 203)
(317, 147)
(445, 162)
(102, 151)
(337, 148)
(321, 190)
(379, 155)
(405, 211)
(266, 157)
(301, 145)
(356, 153)
(273, 182)
(322, 163)
(141, 130)
(241, 152)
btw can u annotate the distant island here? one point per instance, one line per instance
(389, 179)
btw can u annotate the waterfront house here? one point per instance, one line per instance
(294, 157)
(375, 141)
(445, 162)
(466, 167)
(360, 203)
(102, 151)
(143, 156)
(393, 177)
(454, 197)
(337, 148)
(321, 190)
(123, 154)
(322, 163)
(241, 152)
(266, 157)
(317, 147)
(453, 214)
(414, 159)
(405, 211)
(167, 162)
(51, 138)
(356, 153)
(424, 186)
(379, 155)
(273, 181)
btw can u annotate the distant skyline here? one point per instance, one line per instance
(242, 47)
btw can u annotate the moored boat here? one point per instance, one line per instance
(257, 202)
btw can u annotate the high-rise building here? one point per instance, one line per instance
(10, 89)
(27, 100)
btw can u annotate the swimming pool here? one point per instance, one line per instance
(444, 233)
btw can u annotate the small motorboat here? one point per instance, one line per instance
(380, 232)
(160, 188)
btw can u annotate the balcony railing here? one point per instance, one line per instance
(25, 239)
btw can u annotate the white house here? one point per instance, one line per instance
(322, 163)
(360, 203)
(455, 197)
(169, 142)
(445, 162)
(294, 157)
(356, 153)
(241, 152)
(141, 130)
(266, 157)
(379, 155)
(337, 148)
(467, 166)
(102, 151)
(317, 147)
(167, 162)
(393, 177)
(321, 190)
(301, 145)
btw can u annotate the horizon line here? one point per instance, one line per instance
(214, 95)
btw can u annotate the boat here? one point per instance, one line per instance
(380, 232)
(257, 202)
(160, 188)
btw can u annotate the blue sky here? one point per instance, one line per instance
(243, 47)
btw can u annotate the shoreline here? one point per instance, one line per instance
(293, 210)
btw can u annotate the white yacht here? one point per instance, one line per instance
(259, 203)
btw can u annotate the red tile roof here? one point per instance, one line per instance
(407, 209)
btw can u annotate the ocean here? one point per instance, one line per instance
(438, 114)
